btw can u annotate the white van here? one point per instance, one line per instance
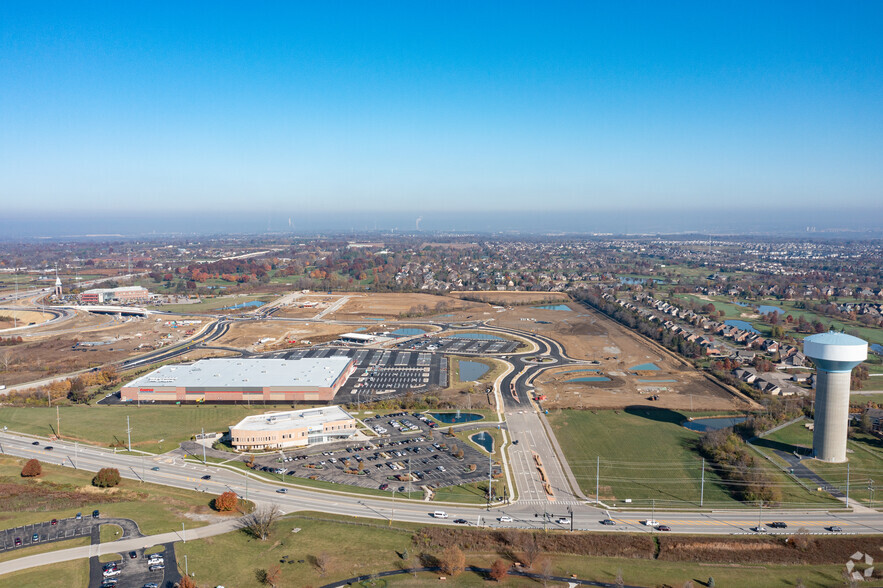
(440, 514)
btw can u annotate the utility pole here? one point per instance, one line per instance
(393, 515)
(129, 433)
(57, 422)
(76, 455)
(847, 485)
(203, 446)
(702, 487)
(490, 480)
(870, 493)
(598, 480)
(409, 478)
(183, 536)
(186, 569)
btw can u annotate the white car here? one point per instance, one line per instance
(112, 572)
(505, 519)
(440, 514)
(651, 523)
(563, 521)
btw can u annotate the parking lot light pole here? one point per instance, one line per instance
(186, 568)
(183, 536)
(393, 516)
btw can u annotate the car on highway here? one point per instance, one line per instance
(505, 519)
(835, 529)
(439, 514)
(562, 521)
(282, 491)
(154, 469)
(608, 522)
(778, 525)
(663, 528)
(651, 523)
(35, 443)
(48, 448)
(759, 529)
(460, 522)
(207, 477)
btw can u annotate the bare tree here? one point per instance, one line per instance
(259, 522)
(323, 560)
(530, 549)
(544, 569)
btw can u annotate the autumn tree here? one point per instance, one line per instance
(106, 478)
(499, 570)
(32, 469)
(452, 561)
(185, 582)
(226, 502)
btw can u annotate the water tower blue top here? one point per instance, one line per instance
(835, 352)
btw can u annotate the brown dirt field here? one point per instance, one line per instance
(586, 334)
(25, 317)
(51, 354)
(395, 305)
(506, 297)
(246, 335)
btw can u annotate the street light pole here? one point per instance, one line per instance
(203, 446)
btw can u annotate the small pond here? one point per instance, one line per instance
(645, 367)
(744, 325)
(589, 379)
(639, 280)
(553, 307)
(712, 424)
(481, 336)
(471, 370)
(766, 309)
(249, 304)
(407, 332)
(454, 417)
(877, 348)
(484, 439)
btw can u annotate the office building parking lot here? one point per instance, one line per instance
(405, 443)
(44, 532)
(136, 570)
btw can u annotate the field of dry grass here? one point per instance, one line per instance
(512, 297)
(394, 305)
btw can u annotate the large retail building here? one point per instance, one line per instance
(243, 380)
(294, 428)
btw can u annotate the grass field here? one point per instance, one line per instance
(60, 575)
(863, 399)
(646, 454)
(155, 508)
(865, 454)
(234, 559)
(110, 533)
(106, 425)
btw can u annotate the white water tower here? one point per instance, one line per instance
(835, 355)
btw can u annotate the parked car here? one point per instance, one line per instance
(157, 567)
(133, 555)
(79, 516)
(53, 522)
(17, 541)
(95, 514)
(36, 537)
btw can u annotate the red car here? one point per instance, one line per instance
(663, 528)
(54, 521)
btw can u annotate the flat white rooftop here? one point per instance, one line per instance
(258, 373)
(291, 419)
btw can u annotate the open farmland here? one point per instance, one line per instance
(394, 305)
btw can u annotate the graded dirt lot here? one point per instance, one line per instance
(633, 368)
(512, 297)
(398, 305)
(83, 342)
(246, 335)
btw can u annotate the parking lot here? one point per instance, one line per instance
(159, 570)
(380, 372)
(45, 532)
(469, 343)
(405, 443)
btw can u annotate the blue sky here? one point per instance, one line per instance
(439, 106)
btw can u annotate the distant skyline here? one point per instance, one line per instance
(345, 113)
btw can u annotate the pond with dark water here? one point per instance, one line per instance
(453, 417)
(744, 325)
(484, 439)
(712, 424)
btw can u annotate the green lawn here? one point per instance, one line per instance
(863, 399)
(155, 508)
(110, 533)
(646, 454)
(865, 454)
(106, 425)
(60, 575)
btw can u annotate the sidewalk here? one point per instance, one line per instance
(61, 555)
